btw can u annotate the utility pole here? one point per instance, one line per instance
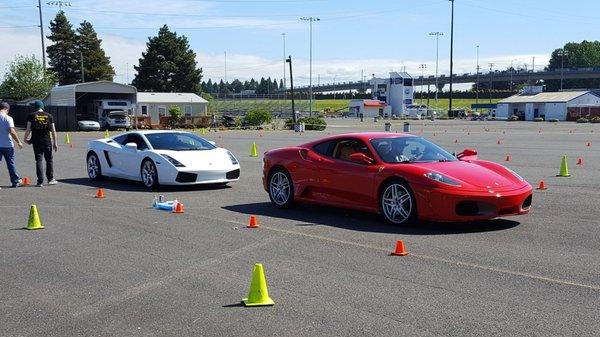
(225, 68)
(422, 67)
(437, 58)
(284, 86)
(82, 69)
(42, 34)
(491, 77)
(477, 81)
(310, 20)
(562, 53)
(127, 70)
(451, 56)
(533, 68)
(512, 70)
(289, 60)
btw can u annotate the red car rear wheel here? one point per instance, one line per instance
(281, 188)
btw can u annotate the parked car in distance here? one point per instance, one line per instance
(87, 125)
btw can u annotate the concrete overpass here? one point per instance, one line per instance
(497, 76)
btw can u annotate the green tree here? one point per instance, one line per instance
(176, 115)
(576, 55)
(27, 78)
(258, 116)
(168, 64)
(96, 64)
(62, 52)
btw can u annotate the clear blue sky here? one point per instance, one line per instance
(374, 36)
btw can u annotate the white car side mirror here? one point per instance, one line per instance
(131, 146)
(212, 142)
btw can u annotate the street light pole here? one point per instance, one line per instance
(422, 67)
(491, 77)
(437, 58)
(477, 81)
(42, 35)
(284, 61)
(562, 54)
(310, 20)
(451, 56)
(512, 70)
(289, 60)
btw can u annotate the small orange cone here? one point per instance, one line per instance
(25, 181)
(507, 158)
(580, 161)
(589, 144)
(400, 250)
(498, 142)
(100, 193)
(542, 185)
(253, 223)
(178, 208)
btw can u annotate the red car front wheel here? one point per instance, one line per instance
(397, 203)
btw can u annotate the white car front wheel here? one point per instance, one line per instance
(149, 174)
(93, 166)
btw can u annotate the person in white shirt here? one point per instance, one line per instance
(8, 137)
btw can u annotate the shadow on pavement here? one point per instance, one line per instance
(310, 215)
(117, 184)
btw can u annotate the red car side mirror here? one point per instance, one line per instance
(468, 154)
(361, 158)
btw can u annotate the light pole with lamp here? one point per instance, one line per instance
(562, 53)
(437, 57)
(310, 90)
(422, 67)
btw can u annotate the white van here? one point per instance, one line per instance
(113, 114)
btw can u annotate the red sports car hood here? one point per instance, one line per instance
(479, 174)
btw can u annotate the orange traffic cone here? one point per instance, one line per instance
(100, 193)
(542, 185)
(507, 158)
(178, 207)
(400, 250)
(253, 223)
(580, 161)
(25, 181)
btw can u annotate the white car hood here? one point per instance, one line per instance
(215, 159)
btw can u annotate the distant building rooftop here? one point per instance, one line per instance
(169, 97)
(544, 97)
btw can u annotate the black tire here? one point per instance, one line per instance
(93, 166)
(281, 188)
(394, 194)
(149, 174)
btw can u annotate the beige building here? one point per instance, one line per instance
(157, 104)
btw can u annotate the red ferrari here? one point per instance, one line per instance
(401, 176)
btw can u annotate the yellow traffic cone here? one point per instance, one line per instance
(564, 168)
(106, 134)
(258, 295)
(67, 139)
(203, 131)
(34, 219)
(253, 151)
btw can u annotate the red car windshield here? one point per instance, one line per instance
(409, 150)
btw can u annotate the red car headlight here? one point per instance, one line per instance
(442, 179)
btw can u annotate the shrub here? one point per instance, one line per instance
(176, 115)
(582, 120)
(538, 119)
(314, 123)
(553, 120)
(513, 118)
(595, 120)
(258, 117)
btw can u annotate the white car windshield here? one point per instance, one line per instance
(409, 150)
(177, 141)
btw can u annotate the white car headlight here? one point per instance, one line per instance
(441, 178)
(234, 160)
(173, 161)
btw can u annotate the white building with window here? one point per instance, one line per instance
(547, 105)
(157, 104)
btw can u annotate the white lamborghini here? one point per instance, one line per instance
(161, 157)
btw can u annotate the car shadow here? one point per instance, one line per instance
(117, 184)
(312, 215)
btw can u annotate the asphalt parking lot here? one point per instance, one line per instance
(117, 267)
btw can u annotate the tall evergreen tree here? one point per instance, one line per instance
(96, 64)
(61, 53)
(168, 64)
